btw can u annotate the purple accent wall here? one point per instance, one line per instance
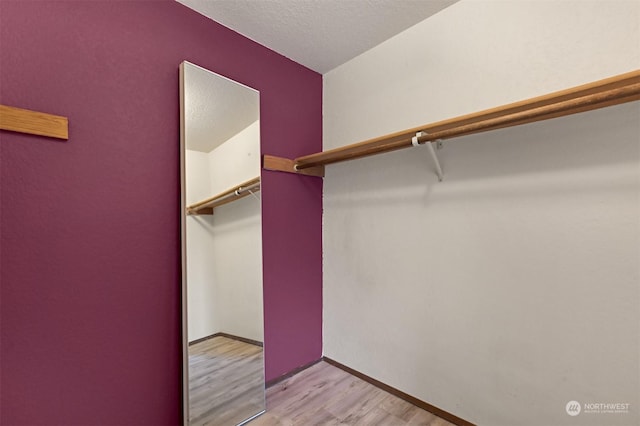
(90, 234)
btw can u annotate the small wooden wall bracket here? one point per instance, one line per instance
(280, 164)
(33, 122)
(205, 211)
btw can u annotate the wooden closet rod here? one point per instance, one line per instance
(33, 122)
(232, 194)
(611, 91)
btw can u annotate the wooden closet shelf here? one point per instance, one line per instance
(599, 94)
(33, 122)
(205, 207)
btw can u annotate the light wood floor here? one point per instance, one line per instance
(326, 395)
(226, 382)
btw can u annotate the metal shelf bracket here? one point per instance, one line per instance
(432, 152)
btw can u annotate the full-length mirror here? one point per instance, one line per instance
(222, 249)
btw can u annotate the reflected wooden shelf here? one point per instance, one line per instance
(599, 94)
(205, 207)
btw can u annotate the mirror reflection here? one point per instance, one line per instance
(222, 244)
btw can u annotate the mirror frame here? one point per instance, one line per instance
(183, 246)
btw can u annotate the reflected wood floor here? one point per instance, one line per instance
(226, 382)
(325, 395)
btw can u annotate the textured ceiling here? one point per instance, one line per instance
(216, 108)
(319, 34)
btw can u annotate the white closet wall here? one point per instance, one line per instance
(202, 321)
(512, 287)
(237, 160)
(224, 251)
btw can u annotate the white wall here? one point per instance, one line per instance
(236, 260)
(201, 292)
(513, 286)
(237, 160)
(224, 251)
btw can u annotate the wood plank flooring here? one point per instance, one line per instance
(325, 395)
(226, 382)
(226, 387)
